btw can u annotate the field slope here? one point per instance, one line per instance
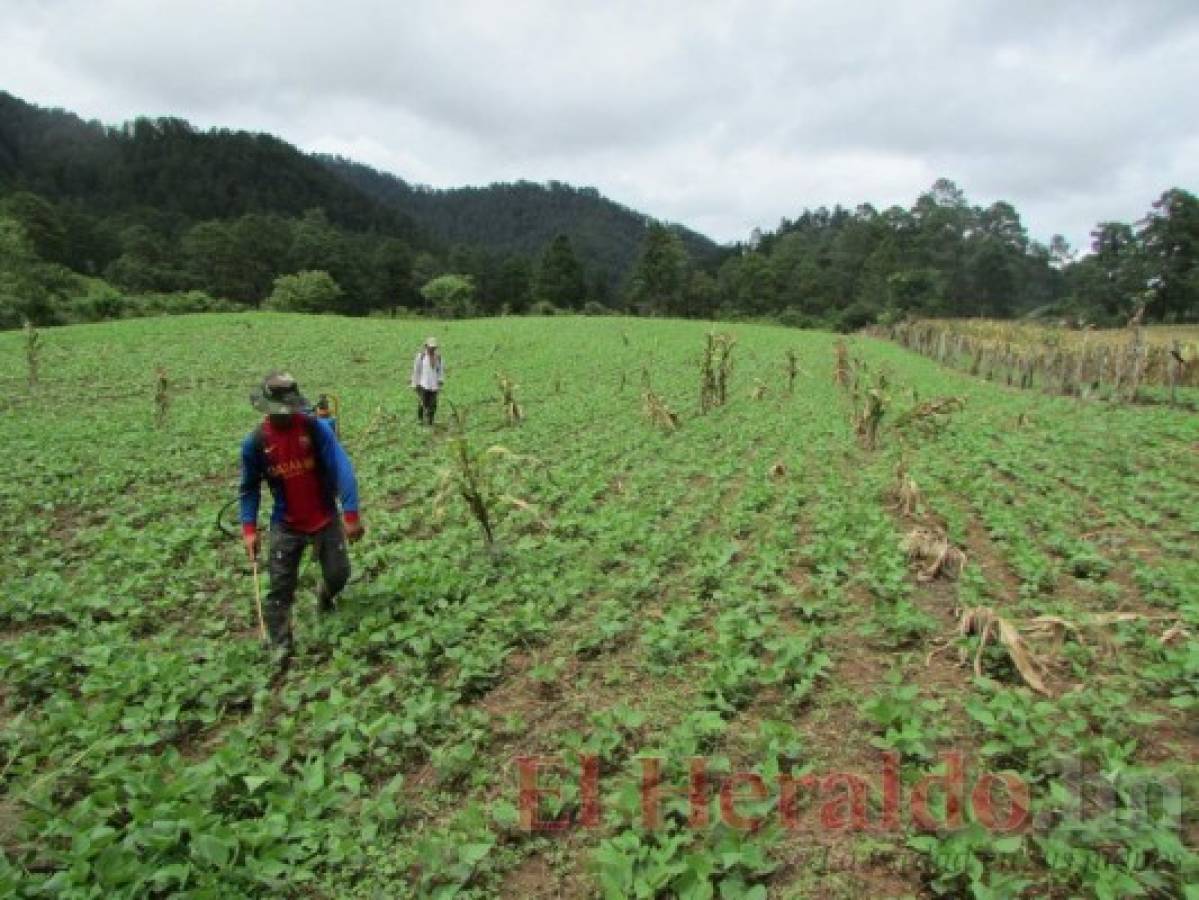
(734, 589)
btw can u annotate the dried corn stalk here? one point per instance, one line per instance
(989, 625)
(162, 396)
(906, 491)
(1175, 633)
(870, 409)
(1096, 625)
(841, 368)
(931, 547)
(715, 369)
(658, 412)
(869, 417)
(933, 411)
(512, 411)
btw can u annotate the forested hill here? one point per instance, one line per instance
(170, 167)
(156, 215)
(521, 218)
(165, 175)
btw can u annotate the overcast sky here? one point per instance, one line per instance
(722, 116)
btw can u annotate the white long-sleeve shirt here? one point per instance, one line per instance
(426, 373)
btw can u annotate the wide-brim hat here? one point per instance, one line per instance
(431, 342)
(279, 395)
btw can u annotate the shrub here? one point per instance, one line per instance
(450, 296)
(100, 301)
(543, 308)
(794, 317)
(311, 291)
(178, 303)
(855, 316)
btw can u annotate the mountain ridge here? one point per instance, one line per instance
(172, 167)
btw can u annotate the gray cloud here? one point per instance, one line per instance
(720, 115)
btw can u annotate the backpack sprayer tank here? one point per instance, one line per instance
(328, 407)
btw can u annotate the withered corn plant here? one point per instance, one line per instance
(870, 407)
(841, 367)
(33, 349)
(930, 416)
(930, 547)
(473, 475)
(658, 412)
(162, 396)
(512, 411)
(906, 492)
(715, 370)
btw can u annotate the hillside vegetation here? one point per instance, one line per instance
(156, 215)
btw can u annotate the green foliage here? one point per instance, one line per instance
(304, 292)
(41, 224)
(157, 206)
(970, 861)
(517, 221)
(97, 300)
(30, 289)
(514, 284)
(237, 259)
(1169, 242)
(661, 594)
(560, 280)
(660, 280)
(647, 865)
(450, 296)
(909, 725)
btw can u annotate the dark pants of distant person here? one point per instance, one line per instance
(287, 551)
(426, 408)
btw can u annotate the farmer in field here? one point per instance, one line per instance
(307, 471)
(428, 373)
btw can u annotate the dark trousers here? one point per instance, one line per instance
(426, 406)
(287, 551)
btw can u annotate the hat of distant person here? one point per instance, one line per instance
(279, 395)
(431, 342)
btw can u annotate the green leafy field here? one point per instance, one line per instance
(735, 589)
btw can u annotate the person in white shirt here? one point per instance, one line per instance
(428, 373)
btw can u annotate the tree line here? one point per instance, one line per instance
(155, 216)
(941, 257)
